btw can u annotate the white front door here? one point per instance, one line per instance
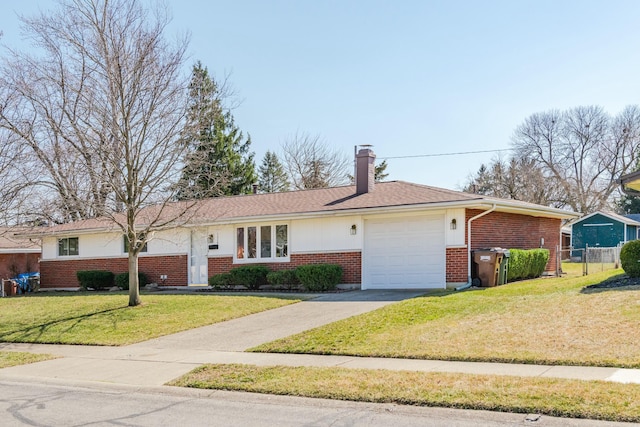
(404, 253)
(198, 274)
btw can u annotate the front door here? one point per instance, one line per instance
(199, 261)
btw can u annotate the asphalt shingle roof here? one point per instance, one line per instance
(317, 201)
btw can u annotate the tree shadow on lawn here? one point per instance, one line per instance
(619, 282)
(32, 334)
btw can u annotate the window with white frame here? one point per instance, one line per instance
(68, 246)
(262, 242)
(126, 245)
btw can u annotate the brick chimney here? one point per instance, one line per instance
(365, 171)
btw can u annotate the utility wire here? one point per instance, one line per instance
(446, 154)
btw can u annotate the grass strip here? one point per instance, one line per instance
(15, 358)
(555, 397)
(542, 321)
(106, 319)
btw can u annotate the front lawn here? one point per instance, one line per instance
(543, 321)
(549, 396)
(105, 319)
(11, 358)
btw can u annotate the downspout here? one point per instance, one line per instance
(468, 284)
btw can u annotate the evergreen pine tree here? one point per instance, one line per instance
(379, 172)
(272, 177)
(219, 162)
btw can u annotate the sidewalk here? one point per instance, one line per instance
(157, 361)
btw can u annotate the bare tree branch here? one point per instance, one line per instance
(101, 109)
(311, 163)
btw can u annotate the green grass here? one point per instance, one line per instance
(556, 397)
(11, 358)
(105, 319)
(543, 321)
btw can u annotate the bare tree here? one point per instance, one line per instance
(101, 107)
(584, 150)
(311, 163)
(13, 180)
(517, 178)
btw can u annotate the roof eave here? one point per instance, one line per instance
(630, 183)
(466, 204)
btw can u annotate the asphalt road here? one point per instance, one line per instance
(35, 404)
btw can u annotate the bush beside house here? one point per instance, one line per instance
(312, 277)
(630, 258)
(283, 279)
(95, 279)
(122, 280)
(319, 277)
(527, 264)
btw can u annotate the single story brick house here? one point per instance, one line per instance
(17, 255)
(390, 235)
(603, 229)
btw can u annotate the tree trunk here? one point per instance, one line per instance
(134, 288)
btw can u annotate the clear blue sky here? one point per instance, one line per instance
(408, 77)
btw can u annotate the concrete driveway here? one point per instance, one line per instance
(250, 331)
(159, 360)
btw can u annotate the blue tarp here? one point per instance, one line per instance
(24, 282)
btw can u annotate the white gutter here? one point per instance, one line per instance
(468, 284)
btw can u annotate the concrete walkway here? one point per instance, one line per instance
(157, 361)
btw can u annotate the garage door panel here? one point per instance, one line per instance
(404, 253)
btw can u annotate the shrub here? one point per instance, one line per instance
(630, 258)
(96, 279)
(251, 276)
(319, 277)
(539, 260)
(122, 280)
(286, 279)
(527, 263)
(220, 281)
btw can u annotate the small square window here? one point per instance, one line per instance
(68, 246)
(126, 245)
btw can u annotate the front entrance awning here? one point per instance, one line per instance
(630, 183)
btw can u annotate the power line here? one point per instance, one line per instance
(446, 154)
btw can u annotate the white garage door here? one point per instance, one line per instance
(404, 253)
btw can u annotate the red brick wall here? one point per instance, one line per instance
(456, 265)
(62, 273)
(351, 263)
(513, 231)
(20, 263)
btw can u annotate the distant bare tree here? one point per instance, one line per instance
(583, 149)
(101, 107)
(13, 180)
(311, 163)
(516, 178)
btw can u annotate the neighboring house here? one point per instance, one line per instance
(634, 217)
(603, 229)
(17, 255)
(565, 242)
(630, 183)
(391, 235)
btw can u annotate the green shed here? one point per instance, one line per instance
(603, 229)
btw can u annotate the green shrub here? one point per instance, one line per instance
(319, 277)
(539, 260)
(251, 276)
(220, 281)
(286, 279)
(122, 280)
(630, 258)
(95, 279)
(527, 263)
